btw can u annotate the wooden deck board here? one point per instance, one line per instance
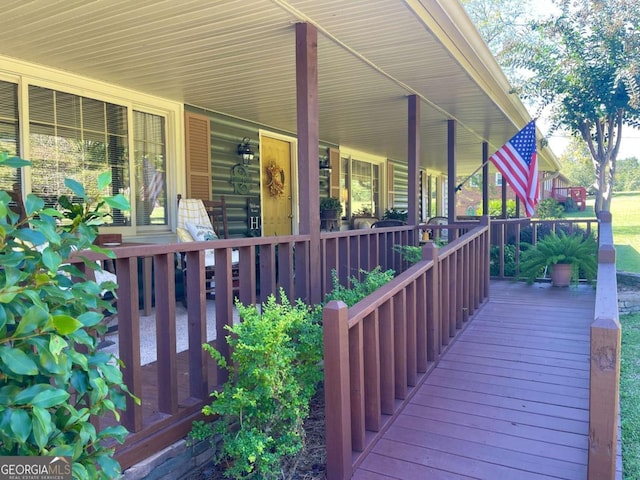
(509, 399)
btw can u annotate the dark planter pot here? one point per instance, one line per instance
(329, 214)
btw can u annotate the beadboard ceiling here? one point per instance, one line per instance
(238, 57)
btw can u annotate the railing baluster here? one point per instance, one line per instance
(165, 294)
(412, 334)
(129, 338)
(373, 409)
(356, 376)
(197, 327)
(400, 350)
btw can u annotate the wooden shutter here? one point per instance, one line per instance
(390, 186)
(334, 162)
(198, 156)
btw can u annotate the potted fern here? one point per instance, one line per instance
(569, 257)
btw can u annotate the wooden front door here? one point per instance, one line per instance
(275, 165)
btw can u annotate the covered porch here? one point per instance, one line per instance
(508, 399)
(464, 355)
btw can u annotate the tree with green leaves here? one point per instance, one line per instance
(576, 165)
(579, 65)
(627, 175)
(586, 70)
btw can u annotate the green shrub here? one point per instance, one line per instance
(509, 260)
(549, 208)
(410, 253)
(413, 254)
(359, 289)
(52, 377)
(274, 372)
(495, 208)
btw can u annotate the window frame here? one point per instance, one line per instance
(24, 75)
(350, 155)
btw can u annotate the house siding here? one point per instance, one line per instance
(226, 134)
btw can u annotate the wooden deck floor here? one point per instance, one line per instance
(509, 399)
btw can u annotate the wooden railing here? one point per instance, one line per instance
(351, 252)
(605, 362)
(169, 404)
(267, 264)
(378, 351)
(516, 231)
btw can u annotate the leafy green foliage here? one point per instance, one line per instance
(509, 260)
(359, 289)
(274, 371)
(549, 208)
(627, 175)
(495, 208)
(410, 253)
(395, 214)
(577, 250)
(52, 377)
(331, 203)
(576, 164)
(585, 70)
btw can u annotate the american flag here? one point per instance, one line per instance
(153, 182)
(517, 161)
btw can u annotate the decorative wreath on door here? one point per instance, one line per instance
(275, 179)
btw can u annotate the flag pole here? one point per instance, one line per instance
(459, 187)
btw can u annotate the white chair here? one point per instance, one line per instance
(437, 233)
(194, 224)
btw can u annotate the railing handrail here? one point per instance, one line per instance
(380, 348)
(604, 390)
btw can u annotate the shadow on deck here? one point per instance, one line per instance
(509, 398)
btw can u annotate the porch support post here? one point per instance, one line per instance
(413, 158)
(308, 148)
(485, 178)
(504, 197)
(451, 169)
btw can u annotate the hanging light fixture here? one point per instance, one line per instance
(245, 152)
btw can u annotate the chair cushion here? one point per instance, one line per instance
(183, 235)
(201, 232)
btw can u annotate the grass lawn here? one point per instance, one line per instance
(626, 234)
(630, 396)
(626, 228)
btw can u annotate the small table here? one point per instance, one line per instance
(329, 224)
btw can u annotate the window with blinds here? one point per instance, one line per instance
(77, 137)
(9, 134)
(150, 165)
(365, 180)
(344, 186)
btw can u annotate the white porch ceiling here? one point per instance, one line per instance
(238, 57)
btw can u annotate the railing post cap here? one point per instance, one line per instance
(607, 254)
(335, 305)
(604, 216)
(429, 250)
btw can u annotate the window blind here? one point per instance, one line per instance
(9, 133)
